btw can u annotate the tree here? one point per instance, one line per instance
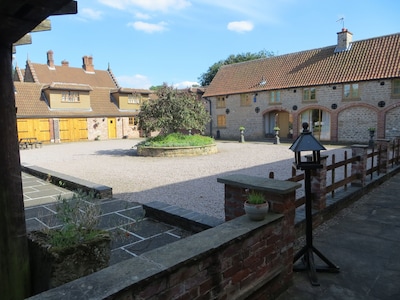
(206, 78)
(173, 110)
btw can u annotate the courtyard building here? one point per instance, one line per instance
(342, 91)
(60, 103)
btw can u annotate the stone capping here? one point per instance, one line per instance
(158, 271)
(260, 183)
(177, 151)
(68, 182)
(177, 216)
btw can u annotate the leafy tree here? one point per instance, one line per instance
(172, 111)
(155, 87)
(206, 78)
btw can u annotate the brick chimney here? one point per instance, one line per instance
(88, 64)
(344, 39)
(50, 59)
(65, 63)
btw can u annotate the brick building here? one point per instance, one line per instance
(59, 103)
(341, 90)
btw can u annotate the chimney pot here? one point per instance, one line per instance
(50, 59)
(88, 64)
(344, 39)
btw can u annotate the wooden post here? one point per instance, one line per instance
(14, 258)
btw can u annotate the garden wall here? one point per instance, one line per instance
(239, 259)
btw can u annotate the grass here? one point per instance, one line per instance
(177, 140)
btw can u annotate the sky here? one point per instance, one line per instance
(150, 42)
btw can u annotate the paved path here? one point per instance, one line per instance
(364, 241)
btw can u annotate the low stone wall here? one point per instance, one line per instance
(177, 151)
(69, 182)
(239, 259)
(235, 260)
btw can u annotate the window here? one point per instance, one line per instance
(133, 99)
(221, 121)
(396, 87)
(221, 102)
(69, 96)
(309, 94)
(131, 121)
(245, 100)
(275, 96)
(350, 91)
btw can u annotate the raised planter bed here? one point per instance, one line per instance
(177, 151)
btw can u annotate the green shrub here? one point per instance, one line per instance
(177, 140)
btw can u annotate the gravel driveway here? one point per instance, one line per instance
(188, 182)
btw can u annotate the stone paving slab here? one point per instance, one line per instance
(364, 241)
(132, 232)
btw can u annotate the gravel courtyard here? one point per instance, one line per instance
(188, 182)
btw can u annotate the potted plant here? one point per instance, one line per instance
(277, 140)
(241, 129)
(74, 248)
(255, 206)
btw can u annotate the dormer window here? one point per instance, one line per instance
(133, 99)
(70, 96)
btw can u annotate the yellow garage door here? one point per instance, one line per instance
(38, 128)
(73, 130)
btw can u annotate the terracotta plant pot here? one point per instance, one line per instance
(256, 212)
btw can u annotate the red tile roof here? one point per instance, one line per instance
(31, 104)
(375, 58)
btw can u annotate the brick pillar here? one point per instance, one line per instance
(234, 198)
(281, 196)
(318, 184)
(359, 167)
(383, 158)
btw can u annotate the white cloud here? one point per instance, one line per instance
(89, 13)
(240, 26)
(142, 16)
(151, 5)
(134, 82)
(149, 27)
(184, 84)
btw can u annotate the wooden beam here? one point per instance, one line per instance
(69, 9)
(25, 40)
(45, 25)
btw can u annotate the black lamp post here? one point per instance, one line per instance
(307, 142)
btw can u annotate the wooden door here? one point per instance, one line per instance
(112, 128)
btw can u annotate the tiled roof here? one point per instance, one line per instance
(42, 73)
(375, 58)
(31, 104)
(68, 86)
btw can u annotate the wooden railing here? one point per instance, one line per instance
(339, 172)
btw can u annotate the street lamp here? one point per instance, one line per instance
(307, 142)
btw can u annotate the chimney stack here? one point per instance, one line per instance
(50, 59)
(88, 64)
(344, 40)
(65, 63)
